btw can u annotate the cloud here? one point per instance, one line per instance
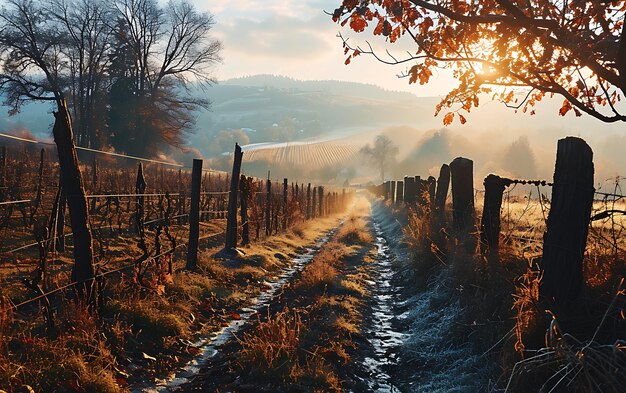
(276, 37)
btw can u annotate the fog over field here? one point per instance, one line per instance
(282, 119)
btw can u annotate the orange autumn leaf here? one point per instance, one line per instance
(357, 22)
(566, 107)
(347, 60)
(448, 118)
(462, 119)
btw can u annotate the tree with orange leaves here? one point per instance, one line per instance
(518, 51)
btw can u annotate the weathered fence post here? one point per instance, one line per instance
(194, 214)
(568, 222)
(72, 184)
(386, 186)
(399, 192)
(320, 196)
(285, 187)
(313, 202)
(308, 202)
(409, 189)
(244, 186)
(268, 207)
(231, 222)
(490, 221)
(393, 192)
(443, 184)
(461, 171)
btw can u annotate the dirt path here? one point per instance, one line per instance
(208, 347)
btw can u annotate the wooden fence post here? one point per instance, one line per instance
(386, 187)
(194, 215)
(313, 202)
(268, 207)
(461, 171)
(443, 184)
(320, 196)
(244, 185)
(285, 187)
(399, 192)
(72, 184)
(231, 221)
(567, 226)
(490, 221)
(409, 189)
(308, 202)
(393, 192)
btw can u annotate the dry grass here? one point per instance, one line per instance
(274, 341)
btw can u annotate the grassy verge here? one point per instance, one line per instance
(141, 332)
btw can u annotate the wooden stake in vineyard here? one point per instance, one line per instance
(72, 185)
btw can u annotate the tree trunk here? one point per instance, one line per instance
(72, 185)
(567, 226)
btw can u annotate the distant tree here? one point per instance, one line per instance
(576, 49)
(519, 159)
(381, 153)
(166, 47)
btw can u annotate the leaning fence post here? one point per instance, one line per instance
(567, 226)
(461, 171)
(194, 214)
(490, 221)
(443, 184)
(231, 222)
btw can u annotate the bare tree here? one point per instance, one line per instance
(381, 153)
(170, 46)
(32, 61)
(88, 39)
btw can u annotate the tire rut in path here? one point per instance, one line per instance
(209, 346)
(384, 339)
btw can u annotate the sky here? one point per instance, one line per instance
(296, 38)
